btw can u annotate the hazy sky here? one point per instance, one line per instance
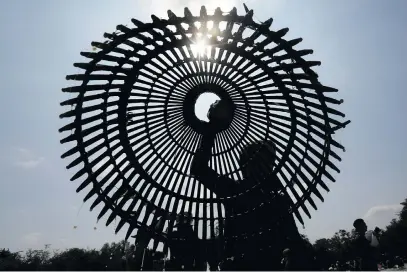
(362, 46)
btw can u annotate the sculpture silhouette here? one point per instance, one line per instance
(135, 134)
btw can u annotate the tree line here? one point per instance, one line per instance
(119, 256)
(392, 242)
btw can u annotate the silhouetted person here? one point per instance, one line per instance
(323, 259)
(186, 250)
(399, 261)
(362, 248)
(263, 224)
(213, 254)
(185, 246)
(289, 262)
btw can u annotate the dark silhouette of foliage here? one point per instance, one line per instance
(110, 257)
(393, 242)
(327, 251)
(394, 239)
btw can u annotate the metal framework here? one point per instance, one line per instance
(134, 132)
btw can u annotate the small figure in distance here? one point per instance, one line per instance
(287, 260)
(184, 244)
(262, 209)
(362, 250)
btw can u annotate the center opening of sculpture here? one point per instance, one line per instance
(203, 103)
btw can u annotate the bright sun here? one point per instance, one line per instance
(199, 48)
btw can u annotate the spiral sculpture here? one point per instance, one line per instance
(134, 131)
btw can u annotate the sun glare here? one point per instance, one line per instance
(199, 48)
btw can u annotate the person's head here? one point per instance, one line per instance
(221, 112)
(360, 225)
(287, 252)
(184, 218)
(257, 161)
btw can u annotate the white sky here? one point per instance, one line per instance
(362, 48)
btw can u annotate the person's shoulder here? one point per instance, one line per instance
(360, 240)
(355, 239)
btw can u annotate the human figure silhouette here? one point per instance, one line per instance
(362, 248)
(187, 251)
(263, 225)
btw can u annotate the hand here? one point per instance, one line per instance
(220, 114)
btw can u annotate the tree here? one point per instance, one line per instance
(336, 248)
(394, 239)
(393, 242)
(37, 259)
(9, 260)
(77, 259)
(109, 257)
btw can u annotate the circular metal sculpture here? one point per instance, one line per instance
(135, 132)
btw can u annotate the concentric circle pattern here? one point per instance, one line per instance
(134, 132)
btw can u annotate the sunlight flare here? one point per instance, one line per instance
(199, 48)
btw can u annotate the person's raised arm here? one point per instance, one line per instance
(203, 154)
(221, 186)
